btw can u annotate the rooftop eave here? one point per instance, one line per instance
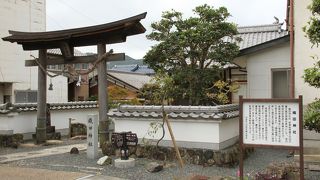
(264, 45)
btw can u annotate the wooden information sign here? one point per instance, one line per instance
(271, 123)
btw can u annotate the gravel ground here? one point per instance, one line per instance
(31, 147)
(79, 163)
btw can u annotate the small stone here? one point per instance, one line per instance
(159, 155)
(314, 167)
(14, 145)
(105, 160)
(74, 150)
(140, 152)
(54, 142)
(217, 158)
(117, 153)
(80, 137)
(196, 159)
(154, 167)
(208, 154)
(108, 148)
(227, 158)
(132, 150)
(211, 162)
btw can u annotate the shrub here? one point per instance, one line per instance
(312, 116)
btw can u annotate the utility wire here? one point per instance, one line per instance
(78, 11)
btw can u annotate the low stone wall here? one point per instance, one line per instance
(78, 129)
(228, 157)
(11, 140)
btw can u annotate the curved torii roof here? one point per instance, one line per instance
(114, 32)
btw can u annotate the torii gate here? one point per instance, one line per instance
(66, 40)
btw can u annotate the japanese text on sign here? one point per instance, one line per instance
(271, 123)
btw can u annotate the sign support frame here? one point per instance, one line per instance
(243, 145)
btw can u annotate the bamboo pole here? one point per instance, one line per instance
(165, 116)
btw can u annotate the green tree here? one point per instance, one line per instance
(312, 75)
(191, 51)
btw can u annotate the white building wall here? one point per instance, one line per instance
(189, 133)
(29, 16)
(25, 122)
(259, 67)
(184, 130)
(303, 52)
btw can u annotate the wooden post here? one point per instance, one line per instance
(102, 97)
(165, 116)
(241, 137)
(70, 119)
(41, 135)
(301, 138)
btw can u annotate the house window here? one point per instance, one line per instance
(6, 98)
(25, 96)
(51, 67)
(280, 83)
(77, 66)
(84, 66)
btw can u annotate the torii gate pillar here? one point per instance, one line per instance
(102, 97)
(41, 135)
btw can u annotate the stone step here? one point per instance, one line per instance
(311, 155)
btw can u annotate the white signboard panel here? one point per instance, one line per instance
(271, 123)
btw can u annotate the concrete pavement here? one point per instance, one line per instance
(19, 173)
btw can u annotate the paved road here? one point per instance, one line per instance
(18, 173)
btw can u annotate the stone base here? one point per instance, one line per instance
(119, 163)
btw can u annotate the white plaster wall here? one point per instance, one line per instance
(60, 89)
(1, 93)
(228, 129)
(185, 130)
(25, 122)
(302, 52)
(259, 67)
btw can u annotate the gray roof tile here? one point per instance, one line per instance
(255, 35)
(24, 107)
(177, 112)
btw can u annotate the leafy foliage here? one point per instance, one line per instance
(312, 75)
(117, 93)
(191, 51)
(221, 90)
(312, 116)
(313, 28)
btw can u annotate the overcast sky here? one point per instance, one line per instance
(65, 14)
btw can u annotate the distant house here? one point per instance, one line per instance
(264, 63)
(130, 74)
(74, 92)
(262, 68)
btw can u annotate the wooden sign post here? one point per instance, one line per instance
(271, 123)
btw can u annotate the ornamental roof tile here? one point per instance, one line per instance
(177, 112)
(24, 107)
